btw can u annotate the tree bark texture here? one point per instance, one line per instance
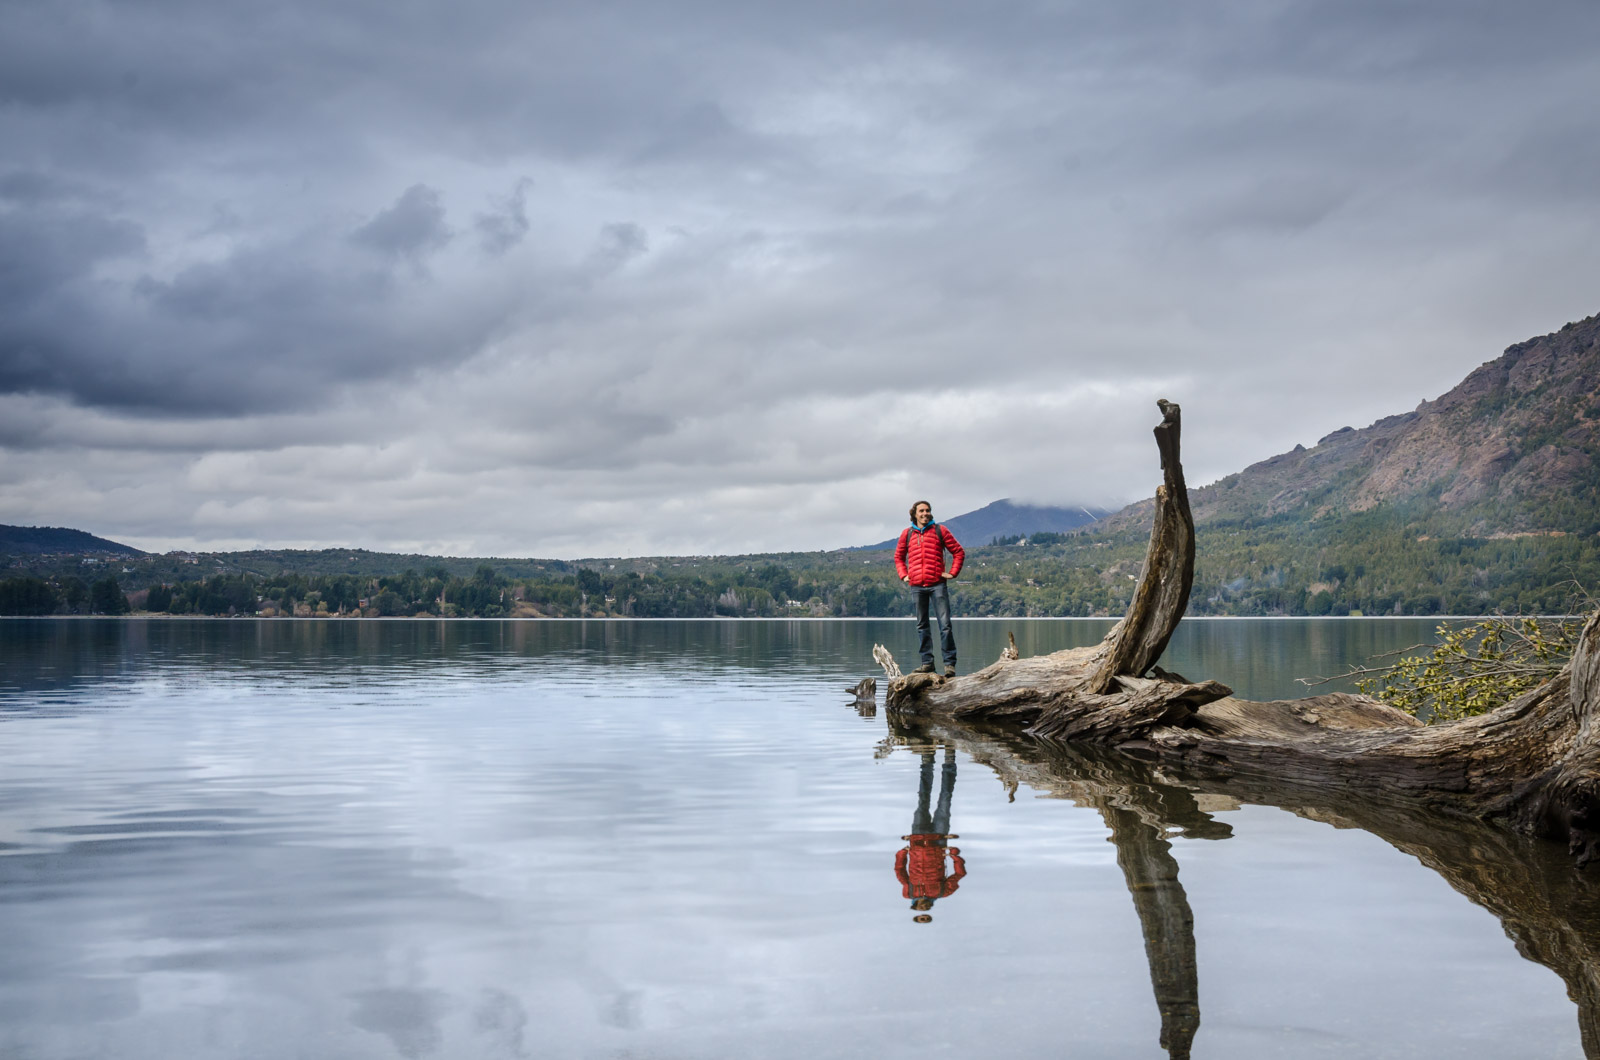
(1158, 604)
(1533, 764)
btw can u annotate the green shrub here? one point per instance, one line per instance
(1475, 668)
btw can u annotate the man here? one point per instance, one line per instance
(919, 560)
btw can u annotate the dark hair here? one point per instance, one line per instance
(914, 509)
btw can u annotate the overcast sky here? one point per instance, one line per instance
(686, 276)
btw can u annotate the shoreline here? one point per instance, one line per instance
(154, 617)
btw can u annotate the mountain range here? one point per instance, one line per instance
(1005, 518)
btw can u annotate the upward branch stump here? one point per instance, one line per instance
(1158, 604)
(1533, 764)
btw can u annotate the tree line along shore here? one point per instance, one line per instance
(1250, 567)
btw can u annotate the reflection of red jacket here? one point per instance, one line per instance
(919, 554)
(920, 868)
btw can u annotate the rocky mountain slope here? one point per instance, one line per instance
(1510, 450)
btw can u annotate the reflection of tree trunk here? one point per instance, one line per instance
(1533, 764)
(1138, 812)
(1166, 921)
(1550, 910)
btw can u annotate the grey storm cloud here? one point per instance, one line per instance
(506, 225)
(270, 324)
(620, 242)
(361, 272)
(413, 227)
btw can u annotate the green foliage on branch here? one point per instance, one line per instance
(1473, 669)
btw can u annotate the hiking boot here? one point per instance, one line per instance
(925, 668)
(950, 671)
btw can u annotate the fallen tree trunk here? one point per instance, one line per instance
(1533, 764)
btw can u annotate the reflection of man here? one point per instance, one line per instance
(920, 866)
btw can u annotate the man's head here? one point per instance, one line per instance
(922, 513)
(923, 904)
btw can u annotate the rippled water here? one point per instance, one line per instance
(631, 839)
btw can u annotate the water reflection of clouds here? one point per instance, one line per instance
(522, 863)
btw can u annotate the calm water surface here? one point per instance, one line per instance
(631, 839)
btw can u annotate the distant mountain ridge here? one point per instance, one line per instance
(1003, 518)
(49, 540)
(1513, 449)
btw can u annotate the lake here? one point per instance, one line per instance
(262, 838)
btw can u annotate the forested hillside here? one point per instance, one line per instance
(1372, 565)
(58, 540)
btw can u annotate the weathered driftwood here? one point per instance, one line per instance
(881, 656)
(866, 688)
(1533, 764)
(1168, 575)
(1550, 912)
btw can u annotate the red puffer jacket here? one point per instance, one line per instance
(920, 868)
(919, 556)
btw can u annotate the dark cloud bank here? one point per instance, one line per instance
(580, 279)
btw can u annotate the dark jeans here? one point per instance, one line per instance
(939, 823)
(940, 595)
